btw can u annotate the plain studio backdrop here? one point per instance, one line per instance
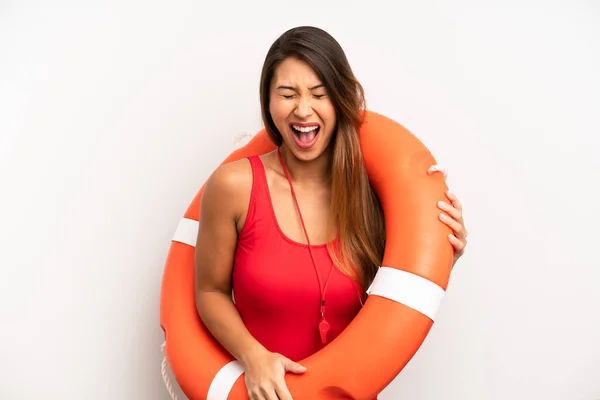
(113, 114)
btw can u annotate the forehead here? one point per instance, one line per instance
(294, 72)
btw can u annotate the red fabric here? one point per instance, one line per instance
(275, 285)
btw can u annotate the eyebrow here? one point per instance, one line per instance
(293, 88)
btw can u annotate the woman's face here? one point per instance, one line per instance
(301, 109)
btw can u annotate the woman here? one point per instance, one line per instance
(297, 234)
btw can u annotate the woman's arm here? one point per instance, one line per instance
(223, 203)
(220, 210)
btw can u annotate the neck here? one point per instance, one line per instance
(307, 172)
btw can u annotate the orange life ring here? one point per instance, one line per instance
(395, 319)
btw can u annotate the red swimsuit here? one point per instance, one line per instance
(275, 285)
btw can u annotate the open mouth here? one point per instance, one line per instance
(305, 136)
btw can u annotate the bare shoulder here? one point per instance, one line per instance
(233, 178)
(223, 203)
(229, 187)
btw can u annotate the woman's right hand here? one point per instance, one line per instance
(265, 376)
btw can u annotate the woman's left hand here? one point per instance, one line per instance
(452, 216)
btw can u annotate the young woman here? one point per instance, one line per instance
(297, 226)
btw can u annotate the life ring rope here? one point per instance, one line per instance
(164, 369)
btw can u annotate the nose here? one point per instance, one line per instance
(303, 108)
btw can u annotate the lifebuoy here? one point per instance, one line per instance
(394, 321)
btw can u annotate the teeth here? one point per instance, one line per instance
(307, 129)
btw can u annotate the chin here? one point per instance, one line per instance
(307, 156)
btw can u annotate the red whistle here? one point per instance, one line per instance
(323, 329)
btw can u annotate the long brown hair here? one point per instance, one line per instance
(356, 215)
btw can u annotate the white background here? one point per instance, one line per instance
(112, 114)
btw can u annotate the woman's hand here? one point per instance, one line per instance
(265, 376)
(452, 216)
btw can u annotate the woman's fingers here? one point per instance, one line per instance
(450, 210)
(268, 393)
(455, 202)
(459, 230)
(459, 245)
(282, 391)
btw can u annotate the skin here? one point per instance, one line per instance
(297, 96)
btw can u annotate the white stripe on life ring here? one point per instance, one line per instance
(224, 380)
(186, 232)
(409, 289)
